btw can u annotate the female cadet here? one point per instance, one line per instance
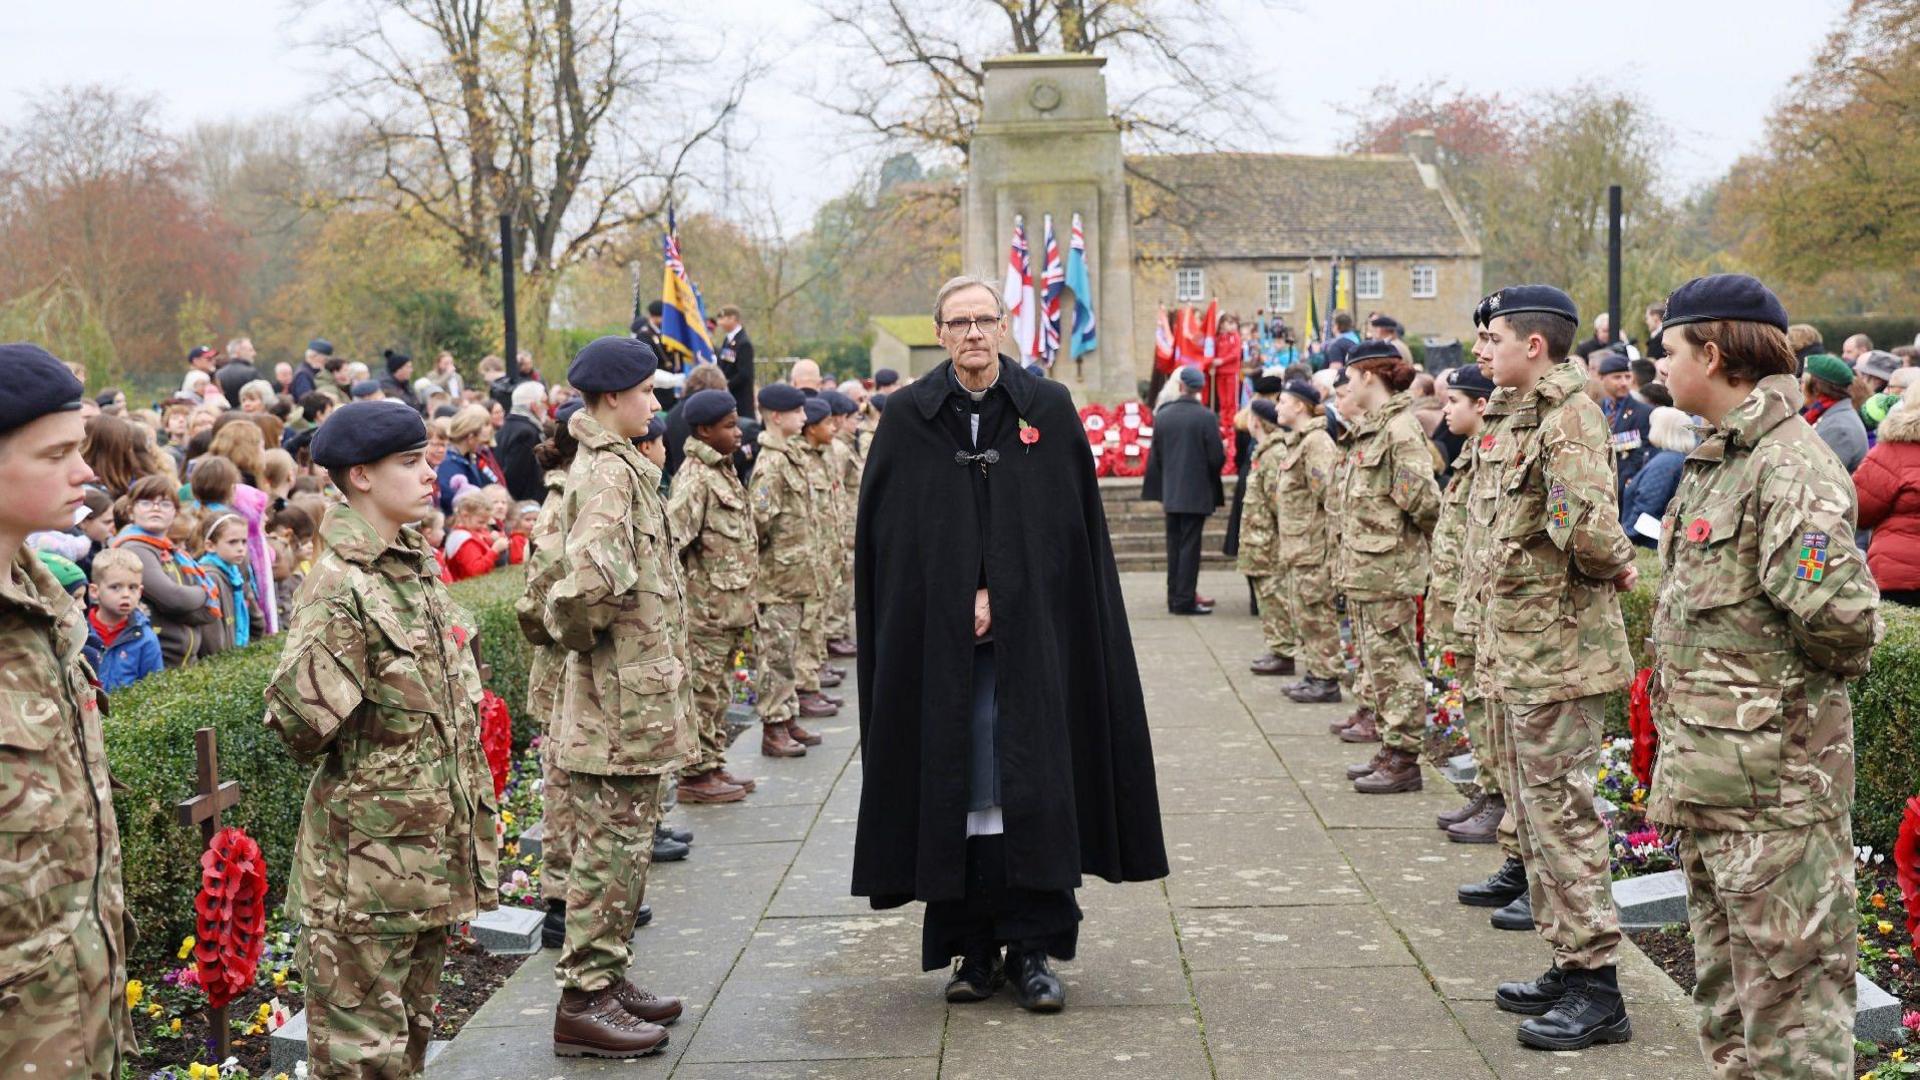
(1259, 555)
(1303, 487)
(1387, 505)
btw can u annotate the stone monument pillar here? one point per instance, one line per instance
(1047, 145)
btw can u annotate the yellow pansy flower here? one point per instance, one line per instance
(186, 947)
(175, 1026)
(134, 990)
(1885, 927)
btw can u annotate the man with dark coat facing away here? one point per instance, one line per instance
(1183, 476)
(1003, 734)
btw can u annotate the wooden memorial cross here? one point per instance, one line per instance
(203, 809)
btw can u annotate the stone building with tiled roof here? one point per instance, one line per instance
(1260, 230)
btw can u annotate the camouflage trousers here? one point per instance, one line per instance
(1478, 719)
(1544, 751)
(1316, 626)
(69, 1017)
(370, 1000)
(810, 645)
(614, 818)
(1775, 944)
(1276, 622)
(840, 610)
(710, 669)
(776, 649)
(1391, 682)
(556, 817)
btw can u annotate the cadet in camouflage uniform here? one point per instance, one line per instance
(1259, 556)
(848, 456)
(1552, 645)
(63, 928)
(1303, 490)
(1387, 503)
(713, 539)
(811, 671)
(377, 684)
(783, 523)
(1766, 610)
(622, 730)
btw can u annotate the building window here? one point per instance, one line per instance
(1426, 283)
(1189, 284)
(1366, 283)
(1279, 292)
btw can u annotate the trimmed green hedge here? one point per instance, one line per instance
(149, 737)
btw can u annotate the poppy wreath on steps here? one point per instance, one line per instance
(496, 738)
(1906, 864)
(230, 915)
(1646, 738)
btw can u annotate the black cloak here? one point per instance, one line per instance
(1076, 763)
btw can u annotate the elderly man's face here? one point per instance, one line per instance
(805, 375)
(970, 328)
(1602, 328)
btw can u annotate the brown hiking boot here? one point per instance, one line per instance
(644, 1005)
(707, 787)
(1355, 772)
(832, 676)
(1481, 828)
(1353, 718)
(593, 1023)
(834, 700)
(1454, 817)
(842, 648)
(1365, 729)
(1272, 664)
(802, 735)
(775, 742)
(1399, 772)
(814, 706)
(745, 783)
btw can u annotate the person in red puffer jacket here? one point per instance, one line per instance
(1888, 483)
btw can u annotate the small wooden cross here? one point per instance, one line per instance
(203, 809)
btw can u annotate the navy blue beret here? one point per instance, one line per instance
(879, 402)
(1268, 384)
(320, 345)
(365, 388)
(565, 412)
(817, 409)
(1733, 297)
(781, 397)
(1372, 350)
(32, 384)
(886, 376)
(1192, 378)
(1614, 364)
(1470, 382)
(366, 431)
(609, 365)
(1304, 390)
(707, 407)
(656, 427)
(1526, 299)
(1265, 410)
(841, 404)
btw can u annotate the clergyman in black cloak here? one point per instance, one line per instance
(1003, 732)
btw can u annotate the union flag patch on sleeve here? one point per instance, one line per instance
(1812, 565)
(1557, 505)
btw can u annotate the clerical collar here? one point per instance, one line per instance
(977, 395)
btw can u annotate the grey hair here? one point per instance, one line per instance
(525, 394)
(967, 281)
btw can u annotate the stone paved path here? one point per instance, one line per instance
(1306, 931)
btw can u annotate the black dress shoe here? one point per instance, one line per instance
(643, 916)
(667, 849)
(1194, 610)
(976, 976)
(684, 836)
(553, 930)
(1532, 998)
(1515, 916)
(1592, 1011)
(1508, 882)
(1035, 986)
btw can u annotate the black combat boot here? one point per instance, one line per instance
(1499, 890)
(1532, 998)
(1515, 916)
(1592, 1011)
(553, 931)
(1035, 986)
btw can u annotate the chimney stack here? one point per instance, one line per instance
(1421, 146)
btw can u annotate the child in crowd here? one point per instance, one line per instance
(472, 548)
(221, 548)
(276, 474)
(175, 588)
(433, 529)
(500, 507)
(525, 517)
(121, 645)
(290, 532)
(214, 479)
(88, 535)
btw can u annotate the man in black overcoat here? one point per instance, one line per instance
(1003, 734)
(735, 350)
(1183, 476)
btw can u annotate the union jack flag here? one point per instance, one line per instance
(1054, 283)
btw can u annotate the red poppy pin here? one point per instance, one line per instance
(1699, 530)
(1486, 442)
(1028, 433)
(459, 635)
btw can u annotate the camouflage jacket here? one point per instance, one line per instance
(1552, 547)
(548, 660)
(1259, 553)
(848, 461)
(1449, 542)
(1385, 504)
(621, 611)
(1303, 495)
(783, 523)
(378, 684)
(829, 561)
(1766, 609)
(1476, 548)
(59, 841)
(713, 538)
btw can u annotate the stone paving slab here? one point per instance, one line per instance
(1306, 931)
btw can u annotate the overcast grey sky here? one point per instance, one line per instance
(1710, 68)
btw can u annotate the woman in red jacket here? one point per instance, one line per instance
(472, 547)
(1888, 484)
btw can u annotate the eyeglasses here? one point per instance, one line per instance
(153, 504)
(986, 324)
